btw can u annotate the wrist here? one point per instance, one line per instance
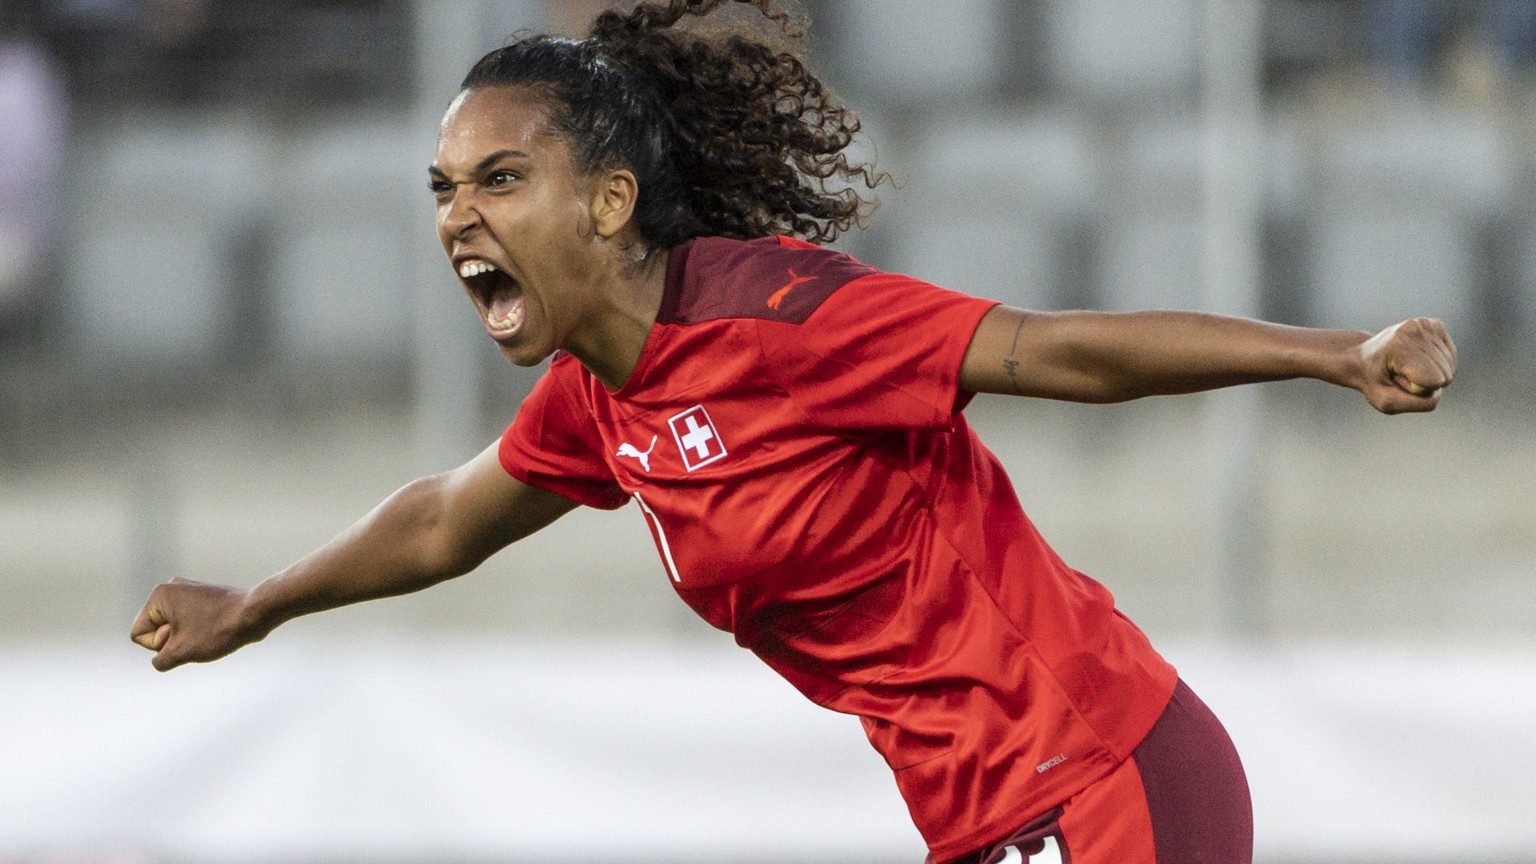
(1344, 363)
(261, 610)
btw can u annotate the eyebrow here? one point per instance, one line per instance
(483, 163)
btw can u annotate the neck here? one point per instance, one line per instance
(615, 338)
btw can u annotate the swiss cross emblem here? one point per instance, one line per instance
(696, 438)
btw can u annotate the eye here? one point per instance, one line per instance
(439, 187)
(500, 178)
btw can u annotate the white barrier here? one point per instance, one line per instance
(299, 750)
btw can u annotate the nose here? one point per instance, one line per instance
(457, 215)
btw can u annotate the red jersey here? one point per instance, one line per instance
(792, 434)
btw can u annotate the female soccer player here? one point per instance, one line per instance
(788, 422)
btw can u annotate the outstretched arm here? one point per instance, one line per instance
(431, 530)
(1115, 356)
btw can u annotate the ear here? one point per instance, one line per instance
(613, 201)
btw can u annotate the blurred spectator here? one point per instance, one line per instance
(1412, 39)
(32, 117)
(178, 22)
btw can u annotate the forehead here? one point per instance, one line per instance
(489, 119)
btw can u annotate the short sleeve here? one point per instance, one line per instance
(881, 352)
(553, 443)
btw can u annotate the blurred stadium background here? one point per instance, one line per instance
(226, 331)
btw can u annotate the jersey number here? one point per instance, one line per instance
(1049, 854)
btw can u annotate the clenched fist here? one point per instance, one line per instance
(1407, 366)
(194, 622)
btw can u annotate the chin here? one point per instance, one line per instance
(521, 356)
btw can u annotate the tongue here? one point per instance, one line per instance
(503, 306)
(505, 300)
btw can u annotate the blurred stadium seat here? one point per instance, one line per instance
(1110, 52)
(150, 264)
(341, 277)
(1151, 254)
(1396, 204)
(997, 205)
(908, 52)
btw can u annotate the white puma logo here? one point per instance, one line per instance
(628, 449)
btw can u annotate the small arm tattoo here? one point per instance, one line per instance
(1010, 365)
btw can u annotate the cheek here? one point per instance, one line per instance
(581, 222)
(566, 217)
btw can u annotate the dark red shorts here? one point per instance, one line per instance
(1181, 798)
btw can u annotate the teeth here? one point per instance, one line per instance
(513, 318)
(475, 268)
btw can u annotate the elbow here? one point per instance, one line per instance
(1101, 387)
(427, 534)
(1109, 394)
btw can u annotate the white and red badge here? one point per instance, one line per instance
(696, 437)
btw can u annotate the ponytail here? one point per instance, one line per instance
(726, 134)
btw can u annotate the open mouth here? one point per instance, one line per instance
(497, 295)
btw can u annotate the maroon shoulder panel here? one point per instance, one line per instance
(776, 278)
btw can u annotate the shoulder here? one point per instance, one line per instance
(774, 278)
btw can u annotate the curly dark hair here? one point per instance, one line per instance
(726, 134)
